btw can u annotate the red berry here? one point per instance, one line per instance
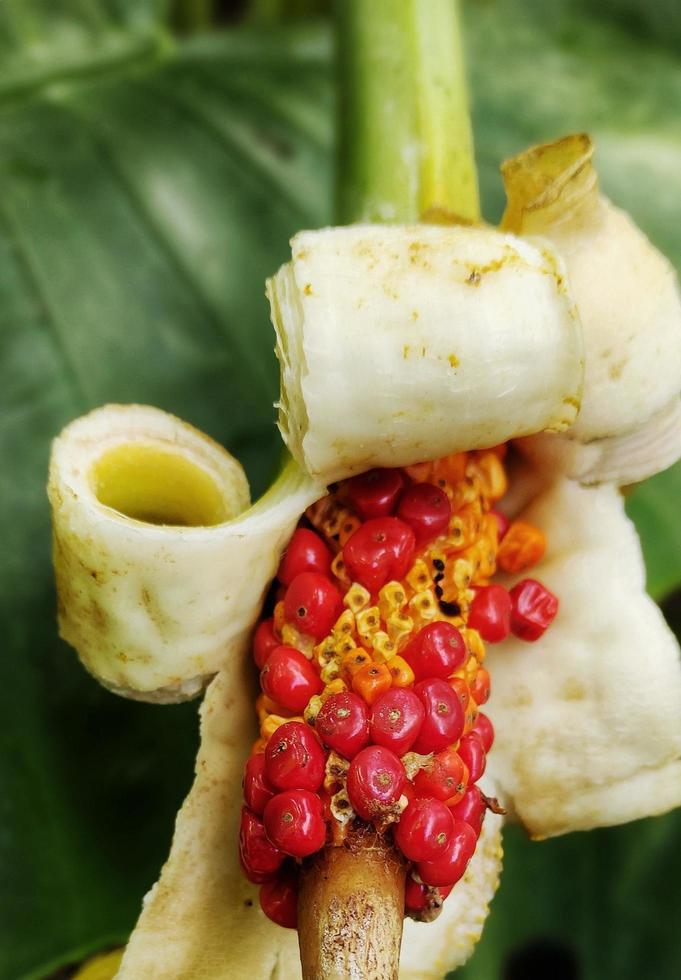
(343, 724)
(279, 900)
(448, 867)
(472, 751)
(415, 895)
(294, 759)
(485, 729)
(426, 508)
(374, 494)
(445, 719)
(444, 777)
(471, 808)
(437, 650)
(418, 897)
(380, 550)
(257, 790)
(490, 613)
(534, 609)
(260, 859)
(480, 687)
(424, 829)
(376, 778)
(396, 719)
(294, 821)
(503, 524)
(290, 679)
(306, 552)
(313, 604)
(264, 642)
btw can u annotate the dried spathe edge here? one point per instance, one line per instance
(201, 921)
(588, 730)
(401, 343)
(630, 308)
(152, 606)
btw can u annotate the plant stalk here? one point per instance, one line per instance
(406, 155)
(406, 142)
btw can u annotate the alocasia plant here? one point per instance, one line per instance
(132, 266)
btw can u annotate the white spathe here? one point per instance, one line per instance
(588, 719)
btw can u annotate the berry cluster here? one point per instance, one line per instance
(372, 678)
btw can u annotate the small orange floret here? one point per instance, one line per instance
(371, 681)
(522, 546)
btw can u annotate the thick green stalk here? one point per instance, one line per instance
(406, 144)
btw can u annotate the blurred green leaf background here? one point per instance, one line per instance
(155, 157)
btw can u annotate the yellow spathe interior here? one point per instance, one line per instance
(151, 484)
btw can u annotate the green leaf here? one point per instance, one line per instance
(143, 203)
(148, 187)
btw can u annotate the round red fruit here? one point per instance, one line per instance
(257, 790)
(471, 809)
(534, 609)
(396, 719)
(279, 901)
(449, 867)
(264, 642)
(415, 895)
(294, 821)
(290, 679)
(380, 550)
(294, 758)
(444, 777)
(260, 858)
(480, 687)
(444, 720)
(374, 494)
(485, 729)
(343, 724)
(424, 829)
(437, 650)
(426, 508)
(306, 552)
(313, 604)
(490, 613)
(472, 751)
(376, 778)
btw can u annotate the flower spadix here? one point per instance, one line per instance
(161, 562)
(403, 343)
(629, 426)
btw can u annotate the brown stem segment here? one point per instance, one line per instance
(351, 909)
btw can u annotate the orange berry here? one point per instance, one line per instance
(480, 686)
(522, 546)
(462, 689)
(372, 680)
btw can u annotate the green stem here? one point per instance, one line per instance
(406, 145)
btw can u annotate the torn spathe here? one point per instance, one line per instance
(627, 293)
(154, 608)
